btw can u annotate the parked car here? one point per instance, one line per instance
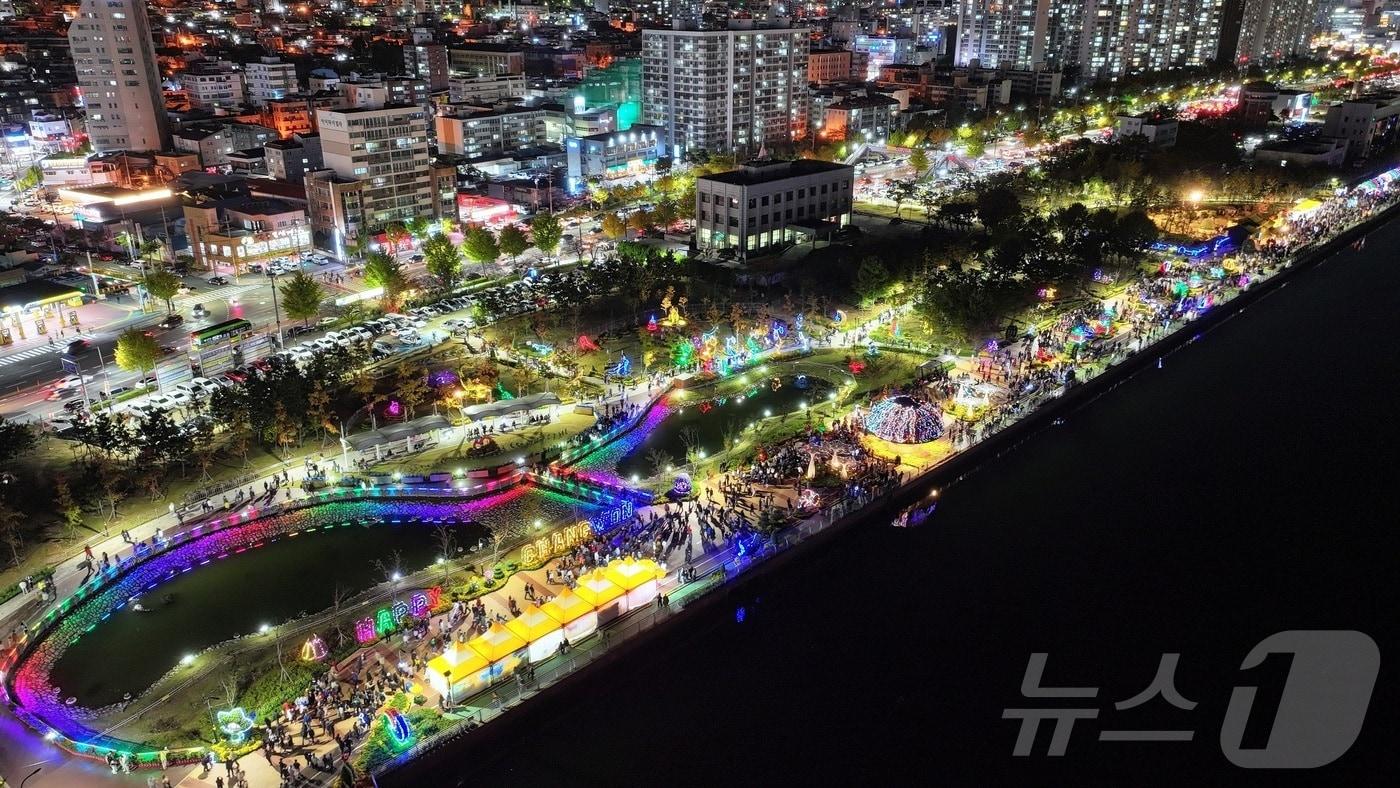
(161, 402)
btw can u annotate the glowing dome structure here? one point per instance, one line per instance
(902, 419)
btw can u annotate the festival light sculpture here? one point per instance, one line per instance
(234, 724)
(902, 419)
(314, 649)
(396, 725)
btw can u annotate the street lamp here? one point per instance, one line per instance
(276, 312)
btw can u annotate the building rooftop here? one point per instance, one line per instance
(484, 47)
(763, 171)
(1313, 147)
(864, 102)
(33, 293)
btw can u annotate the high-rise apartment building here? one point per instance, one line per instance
(116, 65)
(1274, 30)
(721, 90)
(1101, 38)
(386, 149)
(1002, 33)
(1149, 35)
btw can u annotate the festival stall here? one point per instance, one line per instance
(604, 595)
(637, 578)
(501, 647)
(537, 628)
(461, 667)
(578, 618)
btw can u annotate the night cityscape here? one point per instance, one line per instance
(588, 393)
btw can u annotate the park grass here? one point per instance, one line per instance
(519, 443)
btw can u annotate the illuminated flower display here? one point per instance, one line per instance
(903, 419)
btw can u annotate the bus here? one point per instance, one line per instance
(220, 332)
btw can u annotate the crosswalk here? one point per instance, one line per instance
(40, 350)
(206, 296)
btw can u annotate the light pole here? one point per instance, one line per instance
(96, 288)
(276, 312)
(106, 378)
(344, 445)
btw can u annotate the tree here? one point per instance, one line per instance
(919, 161)
(442, 260)
(164, 286)
(67, 507)
(480, 246)
(318, 410)
(613, 227)
(418, 227)
(1135, 230)
(159, 440)
(127, 241)
(367, 386)
(150, 249)
(302, 296)
(137, 351)
(15, 439)
(396, 234)
(381, 270)
(996, 206)
(659, 460)
(545, 232)
(872, 279)
(32, 177)
(899, 192)
(354, 247)
(665, 215)
(10, 521)
(512, 241)
(640, 220)
(412, 387)
(284, 430)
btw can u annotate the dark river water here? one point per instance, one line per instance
(288, 578)
(1248, 487)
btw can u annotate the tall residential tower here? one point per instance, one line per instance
(722, 90)
(116, 65)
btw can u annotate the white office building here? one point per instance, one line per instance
(116, 65)
(721, 90)
(764, 205)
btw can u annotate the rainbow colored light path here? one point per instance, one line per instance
(40, 703)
